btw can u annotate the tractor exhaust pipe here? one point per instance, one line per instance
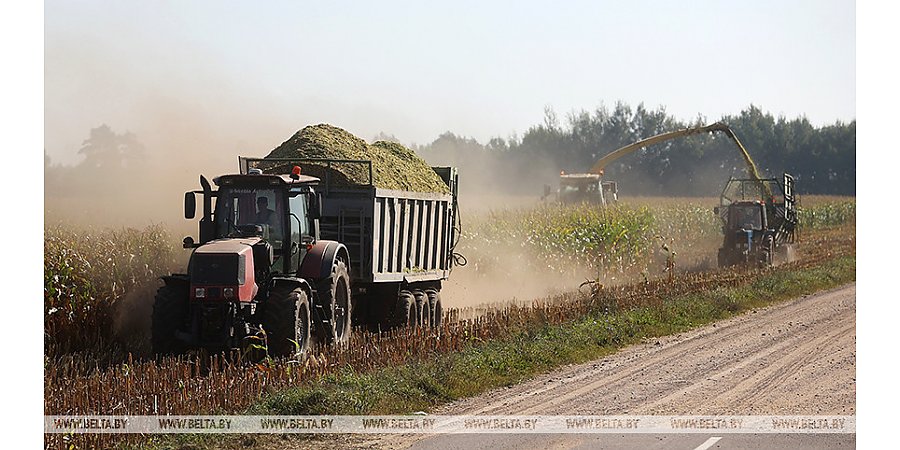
(207, 197)
(207, 227)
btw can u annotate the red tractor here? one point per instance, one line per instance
(259, 271)
(262, 270)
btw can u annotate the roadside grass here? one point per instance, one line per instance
(423, 385)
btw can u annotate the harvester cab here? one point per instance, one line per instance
(259, 276)
(759, 218)
(581, 188)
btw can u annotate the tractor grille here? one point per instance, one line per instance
(212, 268)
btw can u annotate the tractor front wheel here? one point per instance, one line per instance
(286, 320)
(170, 307)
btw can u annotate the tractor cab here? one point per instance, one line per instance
(280, 210)
(746, 215)
(748, 238)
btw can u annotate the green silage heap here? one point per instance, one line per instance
(393, 165)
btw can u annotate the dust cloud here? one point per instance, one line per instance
(188, 129)
(498, 275)
(474, 286)
(503, 275)
(132, 319)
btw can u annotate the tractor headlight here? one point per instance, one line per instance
(228, 292)
(199, 292)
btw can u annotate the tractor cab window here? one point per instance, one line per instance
(238, 209)
(299, 217)
(300, 226)
(581, 187)
(747, 217)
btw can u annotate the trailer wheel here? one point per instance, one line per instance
(405, 314)
(170, 307)
(423, 310)
(437, 311)
(334, 295)
(285, 317)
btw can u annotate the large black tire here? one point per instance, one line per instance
(405, 314)
(437, 311)
(423, 309)
(170, 308)
(723, 258)
(334, 296)
(286, 319)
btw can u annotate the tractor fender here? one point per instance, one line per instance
(177, 281)
(321, 257)
(294, 281)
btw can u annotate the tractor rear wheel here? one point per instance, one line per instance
(286, 319)
(334, 295)
(404, 314)
(170, 307)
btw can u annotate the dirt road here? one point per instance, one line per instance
(795, 358)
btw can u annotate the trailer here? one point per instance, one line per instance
(400, 243)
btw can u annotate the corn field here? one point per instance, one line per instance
(88, 273)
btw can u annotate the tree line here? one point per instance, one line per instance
(822, 159)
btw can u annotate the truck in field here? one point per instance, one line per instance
(287, 258)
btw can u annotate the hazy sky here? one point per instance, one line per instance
(243, 76)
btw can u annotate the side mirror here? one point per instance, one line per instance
(716, 210)
(315, 206)
(190, 205)
(188, 242)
